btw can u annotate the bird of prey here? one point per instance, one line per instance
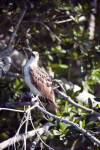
(39, 81)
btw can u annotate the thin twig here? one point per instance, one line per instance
(51, 32)
(91, 137)
(62, 21)
(9, 109)
(26, 126)
(39, 136)
(21, 124)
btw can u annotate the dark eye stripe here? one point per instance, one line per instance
(33, 55)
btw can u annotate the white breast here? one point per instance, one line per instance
(27, 79)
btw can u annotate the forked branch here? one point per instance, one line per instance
(23, 136)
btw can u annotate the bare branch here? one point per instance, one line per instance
(29, 134)
(62, 21)
(9, 49)
(90, 136)
(92, 21)
(38, 21)
(75, 104)
(9, 109)
(51, 32)
(22, 13)
(14, 104)
(11, 74)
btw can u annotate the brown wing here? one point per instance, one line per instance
(43, 82)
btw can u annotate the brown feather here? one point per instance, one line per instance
(42, 81)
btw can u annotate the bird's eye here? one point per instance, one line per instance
(33, 54)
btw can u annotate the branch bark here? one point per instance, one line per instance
(83, 96)
(90, 136)
(75, 104)
(9, 49)
(11, 74)
(92, 21)
(22, 13)
(21, 137)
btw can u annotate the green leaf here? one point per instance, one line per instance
(82, 18)
(83, 124)
(90, 148)
(63, 66)
(80, 103)
(97, 99)
(90, 124)
(66, 107)
(89, 103)
(63, 126)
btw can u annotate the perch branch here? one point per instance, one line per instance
(14, 104)
(90, 136)
(29, 134)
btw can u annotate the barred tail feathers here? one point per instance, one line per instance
(53, 105)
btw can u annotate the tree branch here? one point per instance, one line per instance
(21, 137)
(75, 104)
(11, 74)
(92, 21)
(9, 49)
(51, 32)
(22, 13)
(14, 104)
(90, 136)
(83, 96)
(62, 21)
(9, 109)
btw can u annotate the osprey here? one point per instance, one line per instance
(39, 81)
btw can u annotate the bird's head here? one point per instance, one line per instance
(35, 56)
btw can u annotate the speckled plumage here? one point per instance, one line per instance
(39, 81)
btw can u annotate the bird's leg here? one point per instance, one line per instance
(34, 98)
